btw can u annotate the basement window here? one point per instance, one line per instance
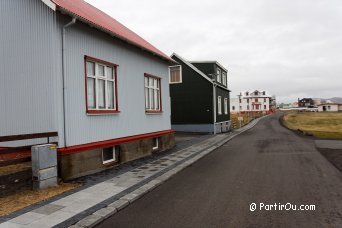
(109, 155)
(155, 144)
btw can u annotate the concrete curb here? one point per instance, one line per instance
(104, 213)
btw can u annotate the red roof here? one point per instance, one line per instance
(90, 14)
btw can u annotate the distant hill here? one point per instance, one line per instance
(334, 100)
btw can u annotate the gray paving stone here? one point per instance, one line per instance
(106, 212)
(90, 221)
(48, 209)
(52, 219)
(119, 204)
(27, 218)
(11, 225)
(131, 197)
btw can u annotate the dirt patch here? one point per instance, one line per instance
(14, 168)
(26, 198)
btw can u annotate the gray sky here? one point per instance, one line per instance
(291, 48)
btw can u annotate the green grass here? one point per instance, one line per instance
(321, 125)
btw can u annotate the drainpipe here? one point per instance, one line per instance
(214, 109)
(73, 21)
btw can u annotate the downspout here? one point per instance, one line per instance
(214, 99)
(73, 21)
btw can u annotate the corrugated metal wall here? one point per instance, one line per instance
(28, 67)
(133, 63)
(31, 77)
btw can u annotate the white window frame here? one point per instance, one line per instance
(224, 78)
(180, 74)
(155, 147)
(225, 102)
(218, 76)
(114, 159)
(152, 91)
(106, 79)
(219, 105)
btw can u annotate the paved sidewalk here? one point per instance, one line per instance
(92, 205)
(329, 144)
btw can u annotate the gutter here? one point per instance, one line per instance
(73, 21)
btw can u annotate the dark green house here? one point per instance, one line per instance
(199, 96)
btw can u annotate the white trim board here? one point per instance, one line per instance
(50, 4)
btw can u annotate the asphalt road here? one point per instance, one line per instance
(267, 164)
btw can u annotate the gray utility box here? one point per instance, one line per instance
(44, 166)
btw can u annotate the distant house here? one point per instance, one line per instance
(254, 101)
(68, 68)
(330, 107)
(199, 96)
(305, 102)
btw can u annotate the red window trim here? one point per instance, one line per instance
(109, 143)
(160, 94)
(98, 111)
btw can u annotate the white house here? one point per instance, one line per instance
(77, 76)
(330, 107)
(254, 101)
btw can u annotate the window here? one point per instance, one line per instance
(225, 106)
(109, 155)
(247, 107)
(219, 105)
(155, 144)
(233, 107)
(247, 100)
(256, 99)
(218, 72)
(240, 107)
(264, 106)
(175, 73)
(240, 101)
(264, 99)
(224, 78)
(152, 94)
(100, 86)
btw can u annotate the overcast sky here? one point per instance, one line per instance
(291, 48)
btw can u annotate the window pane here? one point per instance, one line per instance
(101, 70)
(151, 98)
(158, 100)
(109, 72)
(175, 74)
(110, 92)
(90, 68)
(218, 75)
(146, 81)
(150, 82)
(91, 92)
(155, 100)
(101, 93)
(147, 100)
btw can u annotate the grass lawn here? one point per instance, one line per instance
(320, 124)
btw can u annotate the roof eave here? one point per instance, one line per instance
(65, 11)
